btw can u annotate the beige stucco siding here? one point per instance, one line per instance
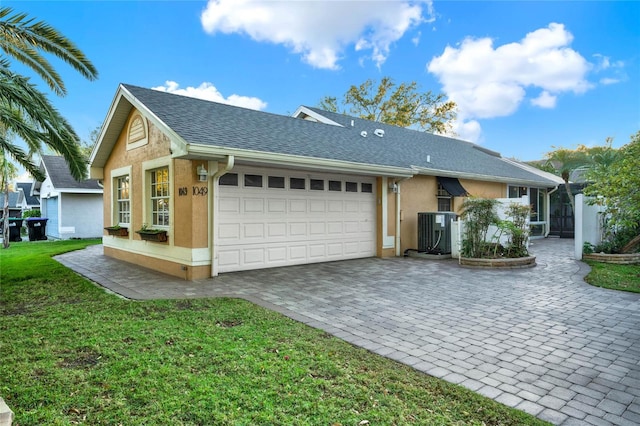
(419, 195)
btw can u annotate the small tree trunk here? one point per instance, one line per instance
(567, 186)
(5, 216)
(631, 245)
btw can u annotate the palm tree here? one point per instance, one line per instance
(564, 161)
(24, 110)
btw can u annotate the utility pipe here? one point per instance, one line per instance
(228, 165)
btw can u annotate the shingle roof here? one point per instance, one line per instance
(58, 171)
(26, 190)
(13, 200)
(218, 125)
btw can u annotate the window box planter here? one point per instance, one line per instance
(118, 231)
(157, 235)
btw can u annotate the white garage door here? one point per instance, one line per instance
(269, 218)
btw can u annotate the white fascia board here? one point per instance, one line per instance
(321, 118)
(284, 160)
(550, 176)
(78, 191)
(486, 178)
(178, 145)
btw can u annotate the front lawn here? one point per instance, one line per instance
(73, 354)
(614, 277)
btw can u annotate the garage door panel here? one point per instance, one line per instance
(229, 231)
(253, 205)
(254, 230)
(297, 252)
(253, 256)
(267, 227)
(278, 229)
(351, 206)
(229, 205)
(276, 254)
(229, 259)
(297, 229)
(334, 228)
(277, 206)
(317, 206)
(317, 228)
(351, 247)
(297, 206)
(317, 251)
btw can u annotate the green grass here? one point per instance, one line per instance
(72, 354)
(614, 277)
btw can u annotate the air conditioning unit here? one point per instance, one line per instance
(434, 232)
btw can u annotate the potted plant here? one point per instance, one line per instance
(152, 234)
(117, 230)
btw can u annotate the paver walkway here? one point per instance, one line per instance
(540, 339)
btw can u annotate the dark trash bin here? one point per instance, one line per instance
(37, 227)
(15, 224)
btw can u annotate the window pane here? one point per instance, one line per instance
(366, 187)
(297, 183)
(122, 203)
(253, 181)
(316, 184)
(276, 182)
(160, 196)
(444, 204)
(335, 185)
(351, 187)
(229, 179)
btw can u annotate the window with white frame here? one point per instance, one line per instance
(123, 200)
(159, 191)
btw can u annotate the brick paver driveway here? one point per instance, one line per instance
(539, 339)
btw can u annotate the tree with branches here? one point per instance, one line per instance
(397, 104)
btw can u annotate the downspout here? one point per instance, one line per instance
(228, 165)
(548, 215)
(398, 182)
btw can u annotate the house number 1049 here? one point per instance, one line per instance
(200, 190)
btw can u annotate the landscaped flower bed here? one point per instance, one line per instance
(620, 259)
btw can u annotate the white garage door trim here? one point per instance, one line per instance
(277, 223)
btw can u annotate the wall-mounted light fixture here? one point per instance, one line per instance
(202, 174)
(393, 187)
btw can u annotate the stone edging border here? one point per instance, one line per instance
(620, 259)
(502, 263)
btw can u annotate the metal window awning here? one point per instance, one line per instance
(452, 186)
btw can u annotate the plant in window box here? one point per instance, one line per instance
(152, 234)
(118, 231)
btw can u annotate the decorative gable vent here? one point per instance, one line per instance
(378, 132)
(137, 132)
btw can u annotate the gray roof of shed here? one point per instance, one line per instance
(32, 200)
(58, 171)
(213, 124)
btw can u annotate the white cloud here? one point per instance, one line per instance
(490, 82)
(468, 130)
(487, 81)
(545, 100)
(319, 30)
(208, 91)
(608, 80)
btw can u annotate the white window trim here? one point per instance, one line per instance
(147, 167)
(115, 174)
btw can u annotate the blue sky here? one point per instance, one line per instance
(527, 76)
